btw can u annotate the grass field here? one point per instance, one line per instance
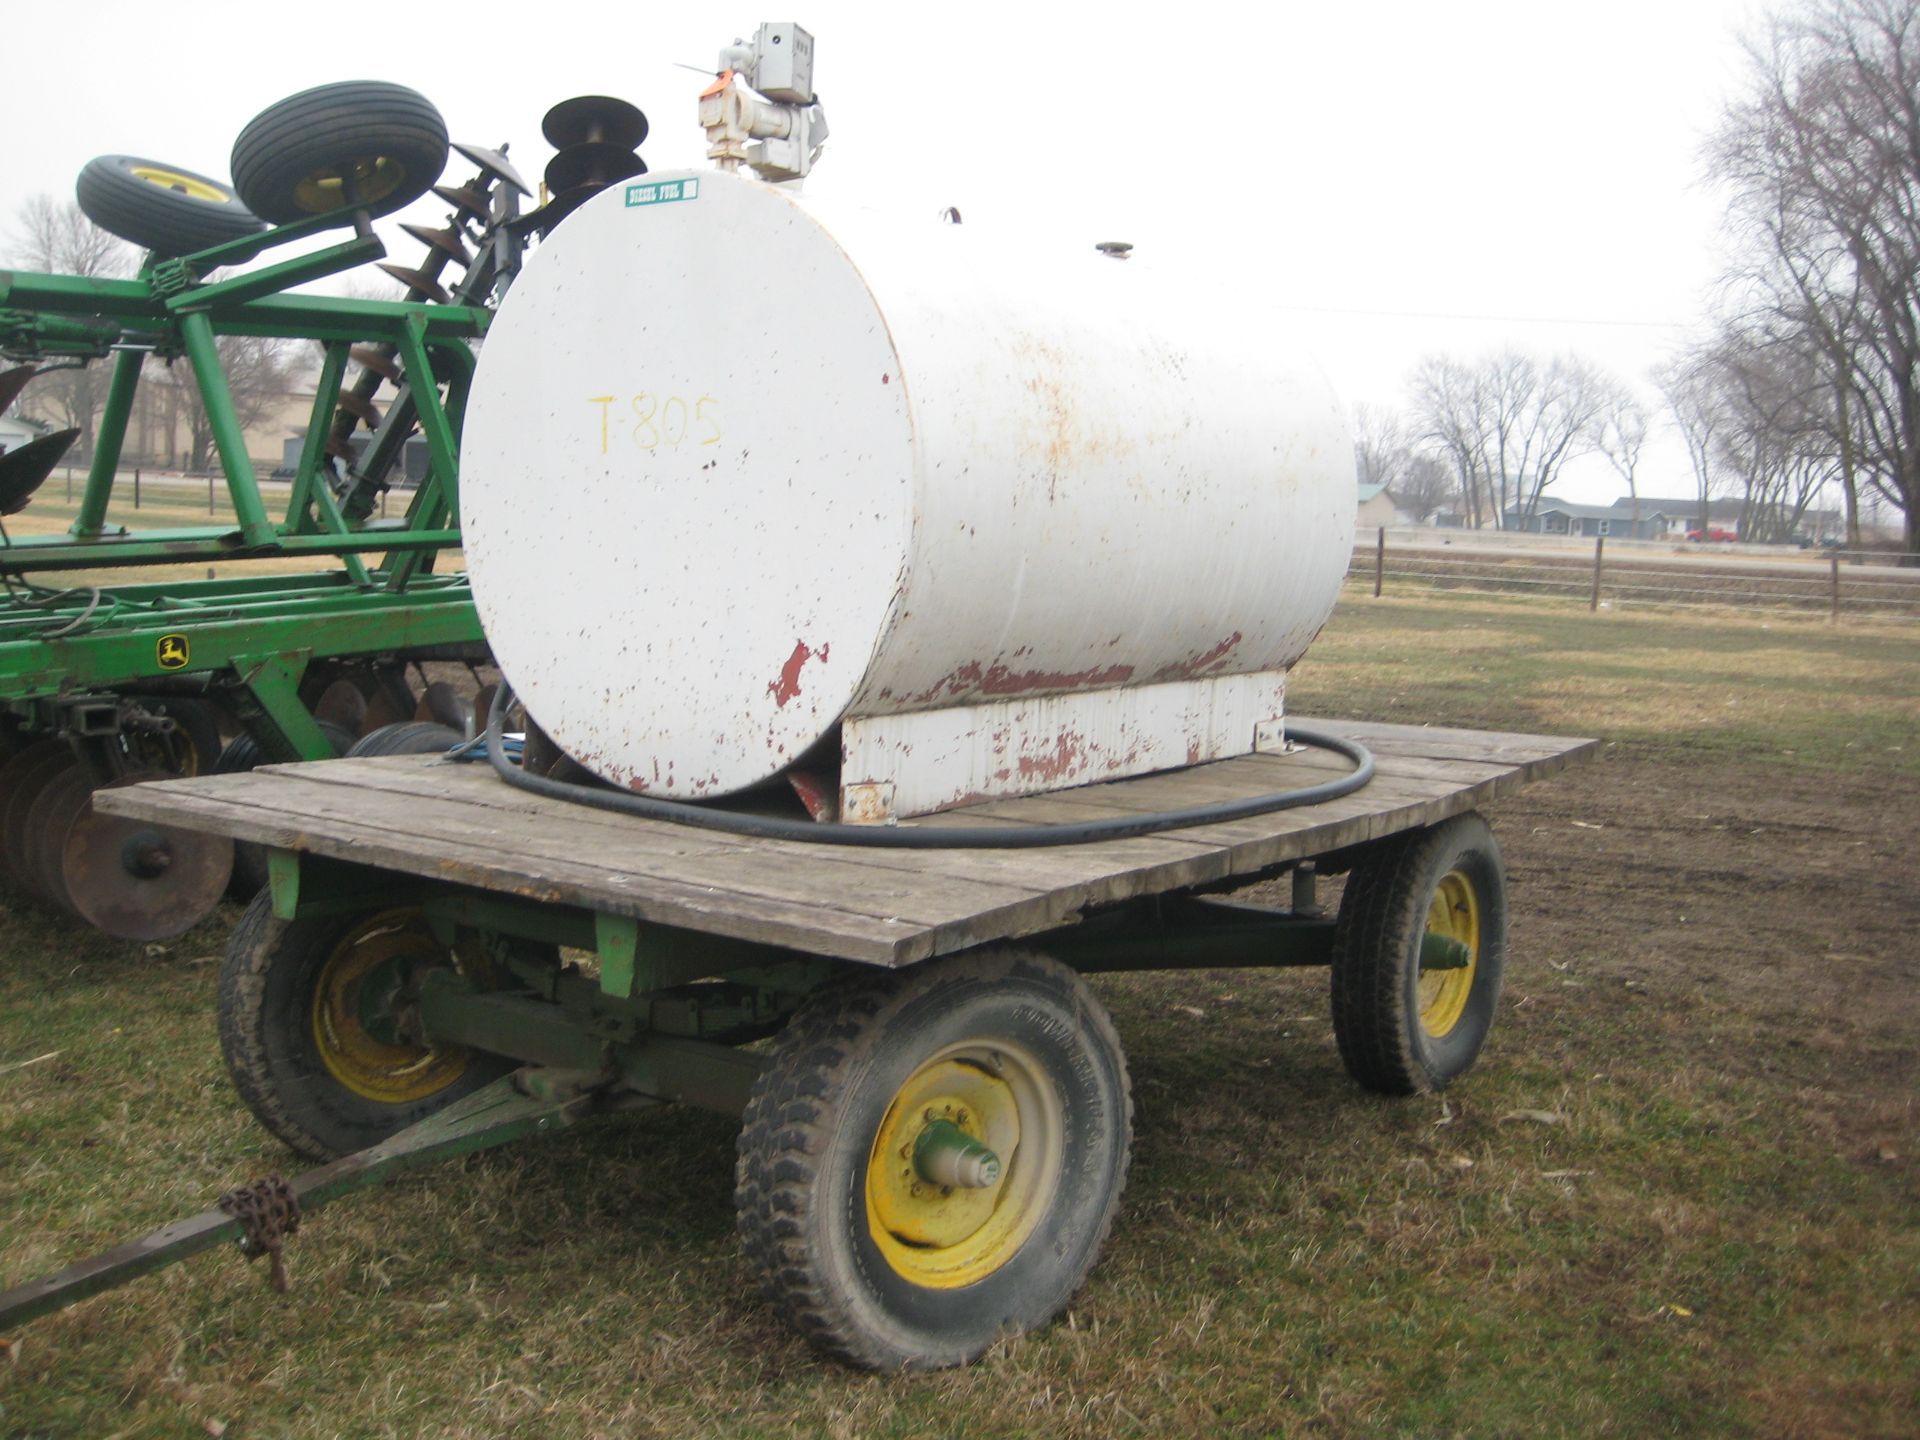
(1678, 1196)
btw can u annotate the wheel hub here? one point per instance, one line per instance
(963, 1165)
(365, 1013)
(1449, 953)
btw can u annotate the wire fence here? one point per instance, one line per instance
(1834, 582)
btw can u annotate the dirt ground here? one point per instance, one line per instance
(1786, 898)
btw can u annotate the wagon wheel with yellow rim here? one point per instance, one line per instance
(166, 209)
(932, 1158)
(1419, 952)
(320, 1027)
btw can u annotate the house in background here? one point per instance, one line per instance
(15, 432)
(1377, 508)
(1563, 517)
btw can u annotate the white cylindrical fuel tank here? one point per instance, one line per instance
(738, 464)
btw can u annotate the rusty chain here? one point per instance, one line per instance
(268, 1212)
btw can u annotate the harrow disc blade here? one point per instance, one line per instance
(419, 282)
(594, 117)
(494, 163)
(470, 200)
(360, 407)
(344, 705)
(442, 703)
(12, 382)
(376, 359)
(48, 821)
(593, 163)
(22, 779)
(447, 241)
(138, 880)
(26, 469)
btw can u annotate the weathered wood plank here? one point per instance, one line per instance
(421, 816)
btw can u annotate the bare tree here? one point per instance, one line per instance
(1448, 405)
(1693, 388)
(54, 236)
(1508, 424)
(260, 372)
(1380, 445)
(1821, 155)
(1425, 486)
(1621, 435)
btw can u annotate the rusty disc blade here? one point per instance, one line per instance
(360, 407)
(378, 359)
(594, 163)
(48, 821)
(343, 704)
(469, 200)
(444, 704)
(446, 241)
(594, 117)
(418, 282)
(21, 781)
(494, 163)
(139, 880)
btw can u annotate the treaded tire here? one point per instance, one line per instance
(408, 737)
(268, 1039)
(809, 1151)
(250, 859)
(290, 160)
(1387, 1042)
(132, 198)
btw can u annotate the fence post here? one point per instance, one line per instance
(1379, 560)
(1599, 544)
(136, 487)
(209, 492)
(1833, 563)
(69, 484)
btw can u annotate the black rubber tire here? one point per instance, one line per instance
(250, 859)
(288, 161)
(267, 992)
(408, 737)
(812, 1122)
(128, 196)
(1383, 920)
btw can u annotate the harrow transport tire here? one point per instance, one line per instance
(408, 737)
(192, 749)
(313, 1027)
(357, 144)
(1419, 951)
(1002, 1054)
(162, 208)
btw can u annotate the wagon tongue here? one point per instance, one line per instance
(261, 1216)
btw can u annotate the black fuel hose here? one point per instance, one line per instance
(927, 837)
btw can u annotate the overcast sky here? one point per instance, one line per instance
(1402, 178)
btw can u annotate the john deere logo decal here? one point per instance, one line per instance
(173, 652)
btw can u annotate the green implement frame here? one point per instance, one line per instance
(253, 637)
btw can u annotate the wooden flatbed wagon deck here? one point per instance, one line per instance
(933, 1147)
(458, 822)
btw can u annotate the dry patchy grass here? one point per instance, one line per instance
(1703, 1222)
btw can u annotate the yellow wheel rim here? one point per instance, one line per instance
(1455, 913)
(944, 1237)
(361, 1003)
(185, 184)
(374, 178)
